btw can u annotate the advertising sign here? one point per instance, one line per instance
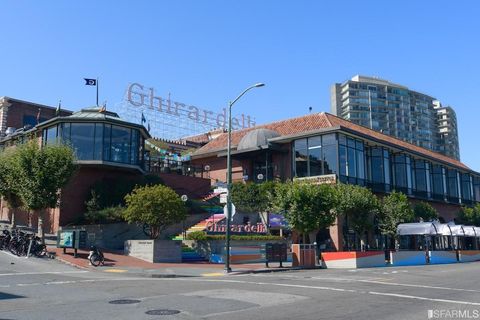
(66, 239)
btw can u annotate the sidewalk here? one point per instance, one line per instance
(116, 262)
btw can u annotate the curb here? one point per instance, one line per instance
(69, 263)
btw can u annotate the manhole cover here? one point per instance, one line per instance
(124, 301)
(162, 312)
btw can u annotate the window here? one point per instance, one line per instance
(50, 136)
(98, 145)
(476, 188)
(438, 182)
(316, 156)
(452, 185)
(466, 187)
(301, 158)
(120, 144)
(352, 160)
(82, 140)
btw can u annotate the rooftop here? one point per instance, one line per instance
(309, 124)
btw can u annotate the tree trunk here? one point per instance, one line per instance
(13, 223)
(41, 235)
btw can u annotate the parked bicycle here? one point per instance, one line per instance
(21, 243)
(96, 257)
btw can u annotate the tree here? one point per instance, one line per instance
(41, 173)
(359, 205)
(156, 205)
(425, 212)
(394, 210)
(307, 207)
(9, 183)
(253, 197)
(470, 215)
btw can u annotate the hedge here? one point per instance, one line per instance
(202, 236)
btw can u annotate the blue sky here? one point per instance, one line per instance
(206, 52)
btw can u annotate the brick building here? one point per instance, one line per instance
(325, 147)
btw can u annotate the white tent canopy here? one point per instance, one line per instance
(418, 228)
(470, 231)
(457, 230)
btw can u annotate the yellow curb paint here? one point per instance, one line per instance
(115, 270)
(215, 274)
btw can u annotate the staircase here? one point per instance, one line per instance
(216, 217)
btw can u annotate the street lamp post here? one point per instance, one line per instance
(229, 176)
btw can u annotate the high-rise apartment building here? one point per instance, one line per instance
(395, 110)
(447, 130)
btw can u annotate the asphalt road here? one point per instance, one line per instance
(46, 289)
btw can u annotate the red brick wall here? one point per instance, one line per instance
(193, 187)
(17, 110)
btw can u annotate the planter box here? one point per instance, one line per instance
(439, 257)
(469, 255)
(353, 259)
(154, 250)
(407, 258)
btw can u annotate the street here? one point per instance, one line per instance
(47, 289)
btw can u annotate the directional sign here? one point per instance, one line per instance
(223, 198)
(220, 190)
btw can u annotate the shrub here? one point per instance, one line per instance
(106, 215)
(202, 236)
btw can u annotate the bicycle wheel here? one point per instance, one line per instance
(41, 250)
(95, 260)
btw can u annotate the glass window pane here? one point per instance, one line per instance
(351, 142)
(315, 160)
(330, 159)
(343, 160)
(98, 149)
(314, 142)
(51, 135)
(351, 172)
(107, 130)
(301, 158)
(360, 164)
(135, 147)
(120, 147)
(65, 133)
(82, 140)
(329, 139)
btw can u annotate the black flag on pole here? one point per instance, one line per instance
(90, 82)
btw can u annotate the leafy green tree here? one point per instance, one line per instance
(9, 183)
(470, 215)
(423, 211)
(307, 207)
(253, 197)
(41, 173)
(156, 205)
(394, 209)
(359, 205)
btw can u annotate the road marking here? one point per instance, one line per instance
(214, 274)
(387, 294)
(417, 286)
(35, 273)
(423, 298)
(115, 270)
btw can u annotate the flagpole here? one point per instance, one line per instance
(97, 91)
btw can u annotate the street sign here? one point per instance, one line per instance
(225, 211)
(223, 198)
(220, 190)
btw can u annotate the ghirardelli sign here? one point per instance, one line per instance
(142, 97)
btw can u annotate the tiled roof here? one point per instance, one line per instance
(318, 121)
